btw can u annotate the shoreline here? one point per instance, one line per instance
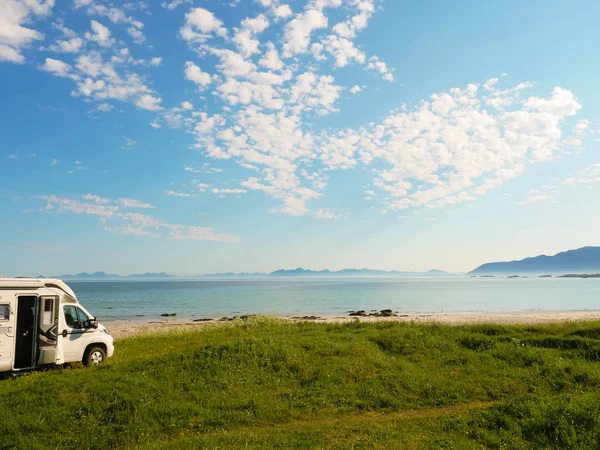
(128, 328)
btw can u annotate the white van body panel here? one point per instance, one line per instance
(43, 302)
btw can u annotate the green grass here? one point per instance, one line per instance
(268, 384)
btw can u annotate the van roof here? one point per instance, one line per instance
(35, 283)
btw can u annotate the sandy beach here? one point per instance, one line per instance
(120, 330)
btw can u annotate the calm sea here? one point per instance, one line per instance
(146, 300)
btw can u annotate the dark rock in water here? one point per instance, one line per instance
(582, 275)
(545, 276)
(223, 319)
(358, 313)
(386, 313)
(513, 276)
(110, 307)
(168, 315)
(202, 320)
(306, 318)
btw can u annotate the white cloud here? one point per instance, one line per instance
(54, 162)
(100, 35)
(156, 61)
(581, 127)
(282, 11)
(105, 107)
(178, 194)
(56, 67)
(149, 102)
(136, 34)
(187, 106)
(343, 50)
(200, 25)
(175, 3)
(193, 233)
(325, 214)
(96, 199)
(356, 89)
(229, 191)
(298, 31)
(196, 75)
(72, 45)
(109, 211)
(376, 64)
(270, 59)
(129, 230)
(588, 175)
(133, 203)
(14, 36)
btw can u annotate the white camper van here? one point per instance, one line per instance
(42, 323)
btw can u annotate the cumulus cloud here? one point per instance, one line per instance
(376, 64)
(56, 67)
(298, 31)
(133, 203)
(15, 19)
(200, 25)
(110, 212)
(100, 34)
(149, 102)
(196, 75)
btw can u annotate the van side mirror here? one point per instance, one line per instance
(64, 333)
(93, 323)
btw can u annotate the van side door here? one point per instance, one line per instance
(48, 330)
(78, 333)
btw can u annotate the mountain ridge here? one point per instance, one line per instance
(584, 259)
(298, 272)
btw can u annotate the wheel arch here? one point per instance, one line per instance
(102, 345)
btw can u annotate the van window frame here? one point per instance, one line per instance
(82, 326)
(8, 310)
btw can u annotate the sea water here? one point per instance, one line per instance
(213, 298)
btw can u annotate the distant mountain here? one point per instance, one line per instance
(300, 272)
(159, 275)
(87, 276)
(108, 276)
(436, 272)
(582, 260)
(234, 275)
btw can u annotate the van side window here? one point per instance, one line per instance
(48, 318)
(71, 316)
(84, 320)
(4, 312)
(75, 317)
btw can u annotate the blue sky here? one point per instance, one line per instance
(204, 136)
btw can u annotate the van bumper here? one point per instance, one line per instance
(110, 350)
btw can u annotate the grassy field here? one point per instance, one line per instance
(265, 384)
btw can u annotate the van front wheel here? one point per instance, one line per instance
(94, 356)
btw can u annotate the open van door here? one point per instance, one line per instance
(48, 330)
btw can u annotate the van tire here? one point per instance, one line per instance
(94, 356)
